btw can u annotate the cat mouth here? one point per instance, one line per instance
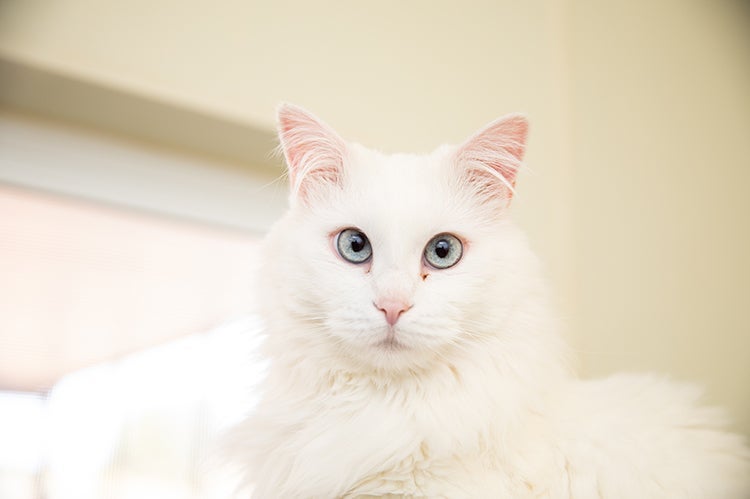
(390, 342)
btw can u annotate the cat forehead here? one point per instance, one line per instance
(370, 171)
(400, 193)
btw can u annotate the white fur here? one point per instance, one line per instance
(480, 402)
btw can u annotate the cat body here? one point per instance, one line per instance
(419, 358)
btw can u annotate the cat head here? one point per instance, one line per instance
(393, 261)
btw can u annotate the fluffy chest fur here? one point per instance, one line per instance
(425, 435)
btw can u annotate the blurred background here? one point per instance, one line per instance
(136, 179)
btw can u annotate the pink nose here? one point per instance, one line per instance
(392, 309)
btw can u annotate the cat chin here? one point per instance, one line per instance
(390, 355)
(388, 363)
(396, 341)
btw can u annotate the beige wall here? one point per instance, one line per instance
(639, 113)
(661, 115)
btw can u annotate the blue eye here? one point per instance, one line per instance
(353, 246)
(443, 251)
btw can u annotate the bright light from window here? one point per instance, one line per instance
(21, 417)
(143, 426)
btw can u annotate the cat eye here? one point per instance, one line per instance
(353, 246)
(443, 251)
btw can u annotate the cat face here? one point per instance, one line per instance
(391, 260)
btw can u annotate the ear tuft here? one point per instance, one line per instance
(314, 153)
(492, 157)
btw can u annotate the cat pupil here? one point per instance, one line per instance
(442, 248)
(357, 243)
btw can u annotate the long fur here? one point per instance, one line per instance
(480, 401)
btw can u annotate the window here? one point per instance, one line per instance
(127, 320)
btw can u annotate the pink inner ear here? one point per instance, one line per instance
(493, 155)
(314, 152)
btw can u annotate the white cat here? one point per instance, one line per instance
(412, 351)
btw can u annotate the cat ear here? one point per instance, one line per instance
(492, 157)
(314, 152)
